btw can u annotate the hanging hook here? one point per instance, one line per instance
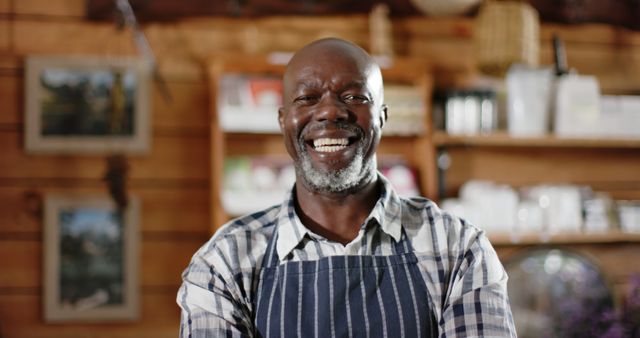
(126, 18)
(116, 178)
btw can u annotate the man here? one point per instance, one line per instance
(343, 256)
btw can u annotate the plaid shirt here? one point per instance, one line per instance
(460, 268)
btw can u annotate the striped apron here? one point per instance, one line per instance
(344, 296)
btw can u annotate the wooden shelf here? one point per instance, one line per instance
(565, 238)
(503, 139)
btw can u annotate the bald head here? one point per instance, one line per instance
(319, 49)
(324, 52)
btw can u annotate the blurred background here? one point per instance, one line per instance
(521, 116)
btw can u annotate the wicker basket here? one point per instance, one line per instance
(506, 32)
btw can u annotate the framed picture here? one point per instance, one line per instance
(90, 259)
(86, 105)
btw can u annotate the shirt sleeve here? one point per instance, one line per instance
(477, 304)
(211, 301)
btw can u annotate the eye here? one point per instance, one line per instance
(355, 99)
(305, 99)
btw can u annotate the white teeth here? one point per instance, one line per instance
(329, 149)
(331, 142)
(329, 145)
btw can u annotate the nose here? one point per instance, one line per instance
(331, 109)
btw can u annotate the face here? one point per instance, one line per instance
(332, 116)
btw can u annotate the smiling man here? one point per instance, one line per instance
(343, 255)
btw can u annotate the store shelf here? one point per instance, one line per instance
(502, 139)
(564, 238)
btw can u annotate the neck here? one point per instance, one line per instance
(337, 216)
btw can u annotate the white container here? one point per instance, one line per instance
(530, 218)
(577, 108)
(528, 92)
(562, 207)
(619, 116)
(455, 115)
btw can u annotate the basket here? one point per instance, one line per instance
(506, 32)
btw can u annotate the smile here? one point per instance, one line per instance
(330, 145)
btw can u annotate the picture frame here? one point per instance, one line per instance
(87, 105)
(90, 259)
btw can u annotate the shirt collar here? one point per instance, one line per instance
(387, 213)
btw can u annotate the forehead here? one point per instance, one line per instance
(317, 76)
(329, 64)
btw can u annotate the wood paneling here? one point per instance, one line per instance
(161, 262)
(5, 6)
(19, 211)
(20, 317)
(172, 157)
(187, 109)
(24, 268)
(184, 40)
(70, 37)
(11, 98)
(5, 35)
(171, 257)
(51, 8)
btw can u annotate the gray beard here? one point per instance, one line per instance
(337, 181)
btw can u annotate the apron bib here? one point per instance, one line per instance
(344, 296)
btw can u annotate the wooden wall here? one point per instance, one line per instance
(172, 180)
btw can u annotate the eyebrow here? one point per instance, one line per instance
(316, 83)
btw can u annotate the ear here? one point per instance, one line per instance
(383, 115)
(281, 118)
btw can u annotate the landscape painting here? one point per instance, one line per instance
(90, 259)
(84, 105)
